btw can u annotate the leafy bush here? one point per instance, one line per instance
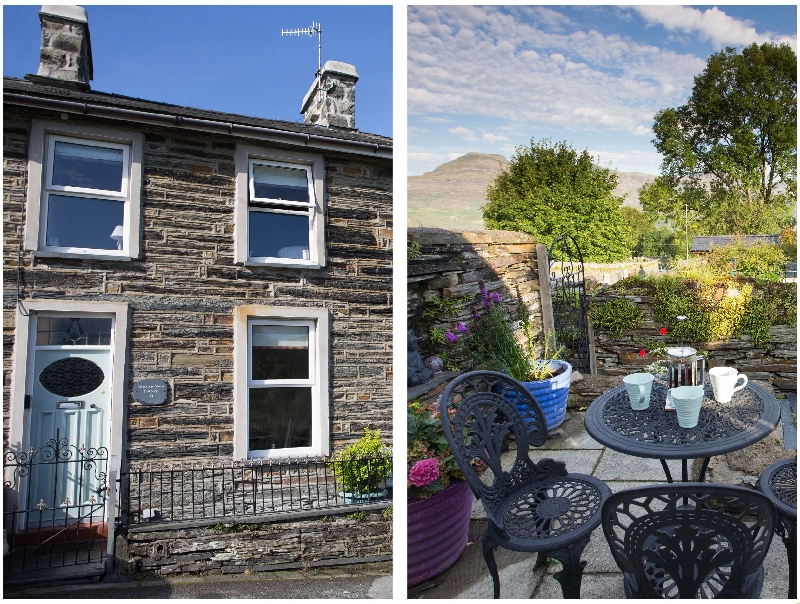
(431, 466)
(362, 466)
(762, 262)
(616, 316)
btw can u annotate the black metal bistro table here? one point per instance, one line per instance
(752, 414)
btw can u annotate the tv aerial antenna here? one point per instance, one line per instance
(316, 28)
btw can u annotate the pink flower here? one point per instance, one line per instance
(451, 337)
(494, 297)
(663, 331)
(642, 353)
(423, 472)
(461, 327)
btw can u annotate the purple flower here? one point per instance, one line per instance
(477, 315)
(495, 297)
(451, 337)
(423, 472)
(461, 327)
(484, 297)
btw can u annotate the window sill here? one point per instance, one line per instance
(91, 256)
(283, 264)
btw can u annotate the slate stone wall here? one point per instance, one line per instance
(183, 288)
(775, 361)
(246, 547)
(454, 264)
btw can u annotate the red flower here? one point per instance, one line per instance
(642, 353)
(663, 331)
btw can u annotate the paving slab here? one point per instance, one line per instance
(594, 586)
(597, 555)
(578, 461)
(618, 466)
(470, 579)
(572, 435)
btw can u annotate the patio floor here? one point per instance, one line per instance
(469, 578)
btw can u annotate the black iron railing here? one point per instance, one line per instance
(166, 492)
(54, 511)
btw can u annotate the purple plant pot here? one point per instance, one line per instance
(437, 531)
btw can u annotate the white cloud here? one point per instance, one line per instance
(420, 162)
(485, 61)
(493, 138)
(462, 132)
(648, 162)
(710, 25)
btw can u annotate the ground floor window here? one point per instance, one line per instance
(281, 392)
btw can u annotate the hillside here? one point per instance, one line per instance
(451, 195)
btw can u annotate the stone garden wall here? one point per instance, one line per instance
(774, 362)
(242, 545)
(453, 265)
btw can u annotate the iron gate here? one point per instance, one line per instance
(54, 513)
(570, 306)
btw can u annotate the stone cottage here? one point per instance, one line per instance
(188, 286)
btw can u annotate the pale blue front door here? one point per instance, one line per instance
(69, 430)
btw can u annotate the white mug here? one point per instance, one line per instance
(723, 382)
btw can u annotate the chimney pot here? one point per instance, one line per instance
(66, 51)
(331, 100)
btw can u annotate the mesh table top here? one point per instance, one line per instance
(752, 414)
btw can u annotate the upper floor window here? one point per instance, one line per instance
(279, 213)
(84, 191)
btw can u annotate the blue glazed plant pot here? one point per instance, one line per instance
(551, 394)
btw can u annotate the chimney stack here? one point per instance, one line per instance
(66, 51)
(331, 100)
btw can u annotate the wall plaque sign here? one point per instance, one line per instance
(150, 392)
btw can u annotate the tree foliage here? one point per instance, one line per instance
(548, 189)
(730, 153)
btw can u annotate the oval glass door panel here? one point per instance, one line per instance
(74, 376)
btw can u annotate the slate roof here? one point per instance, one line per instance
(20, 86)
(704, 244)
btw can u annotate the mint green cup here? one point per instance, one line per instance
(687, 401)
(639, 386)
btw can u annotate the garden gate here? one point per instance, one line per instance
(54, 514)
(570, 306)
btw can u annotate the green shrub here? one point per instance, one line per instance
(762, 262)
(616, 316)
(360, 467)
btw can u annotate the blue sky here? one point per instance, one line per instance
(491, 78)
(224, 58)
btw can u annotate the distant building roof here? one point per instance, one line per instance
(704, 244)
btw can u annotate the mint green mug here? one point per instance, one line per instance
(639, 386)
(687, 401)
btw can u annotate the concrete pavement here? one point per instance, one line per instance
(373, 581)
(469, 578)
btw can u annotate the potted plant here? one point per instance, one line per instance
(439, 499)
(362, 468)
(496, 342)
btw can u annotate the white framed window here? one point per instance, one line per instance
(83, 191)
(280, 382)
(280, 208)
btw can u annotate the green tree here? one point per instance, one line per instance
(548, 189)
(730, 153)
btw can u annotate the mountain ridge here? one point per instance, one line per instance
(451, 195)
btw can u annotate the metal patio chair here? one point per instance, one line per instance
(531, 507)
(779, 483)
(689, 540)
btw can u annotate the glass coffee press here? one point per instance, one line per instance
(684, 366)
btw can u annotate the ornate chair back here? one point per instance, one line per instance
(479, 410)
(689, 540)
